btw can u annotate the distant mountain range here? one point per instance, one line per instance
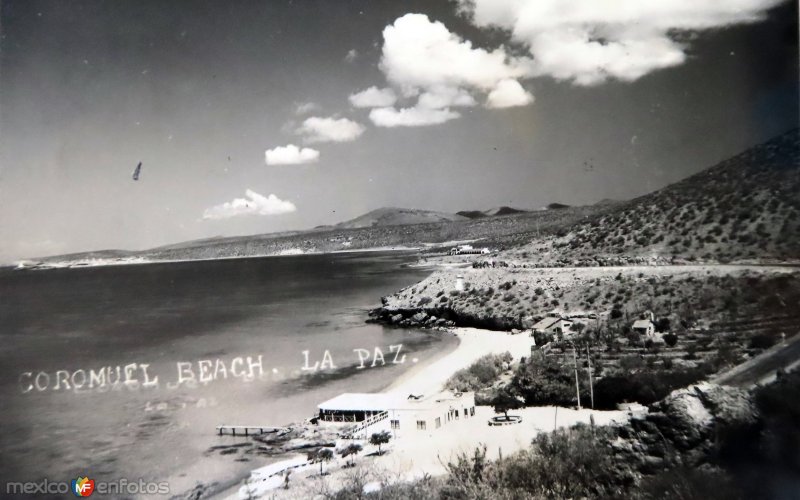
(744, 208)
(391, 216)
(382, 228)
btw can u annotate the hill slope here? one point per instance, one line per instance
(492, 212)
(744, 208)
(390, 216)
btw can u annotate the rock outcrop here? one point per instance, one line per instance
(681, 429)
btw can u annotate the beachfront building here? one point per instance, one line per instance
(403, 414)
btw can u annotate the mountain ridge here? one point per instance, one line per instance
(744, 207)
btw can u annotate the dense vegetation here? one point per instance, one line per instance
(482, 374)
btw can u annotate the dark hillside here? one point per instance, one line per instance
(744, 208)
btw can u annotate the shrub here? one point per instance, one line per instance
(564, 464)
(479, 375)
(762, 341)
(631, 363)
(543, 380)
(542, 338)
(670, 339)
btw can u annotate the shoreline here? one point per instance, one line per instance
(414, 454)
(229, 489)
(142, 260)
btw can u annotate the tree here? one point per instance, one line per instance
(506, 400)
(662, 325)
(379, 438)
(350, 450)
(321, 455)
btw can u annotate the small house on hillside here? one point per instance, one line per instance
(553, 326)
(645, 326)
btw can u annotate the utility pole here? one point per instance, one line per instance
(589, 369)
(577, 387)
(555, 419)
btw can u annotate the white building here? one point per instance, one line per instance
(373, 412)
(645, 326)
(553, 326)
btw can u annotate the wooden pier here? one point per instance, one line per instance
(247, 430)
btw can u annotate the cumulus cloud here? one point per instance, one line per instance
(290, 155)
(252, 204)
(423, 60)
(316, 129)
(589, 42)
(373, 97)
(301, 108)
(442, 97)
(410, 117)
(351, 56)
(507, 94)
(419, 54)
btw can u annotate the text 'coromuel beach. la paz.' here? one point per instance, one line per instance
(190, 374)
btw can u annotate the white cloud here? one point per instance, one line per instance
(443, 97)
(507, 94)
(423, 59)
(301, 108)
(253, 204)
(373, 97)
(591, 41)
(290, 155)
(410, 117)
(421, 54)
(351, 56)
(316, 129)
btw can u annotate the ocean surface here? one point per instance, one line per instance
(223, 343)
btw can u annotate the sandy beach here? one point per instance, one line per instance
(473, 343)
(415, 454)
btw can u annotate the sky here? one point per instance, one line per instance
(252, 117)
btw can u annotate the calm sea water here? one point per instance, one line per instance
(194, 313)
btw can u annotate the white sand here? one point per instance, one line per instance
(473, 343)
(412, 454)
(417, 453)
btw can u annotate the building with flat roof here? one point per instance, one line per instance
(414, 412)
